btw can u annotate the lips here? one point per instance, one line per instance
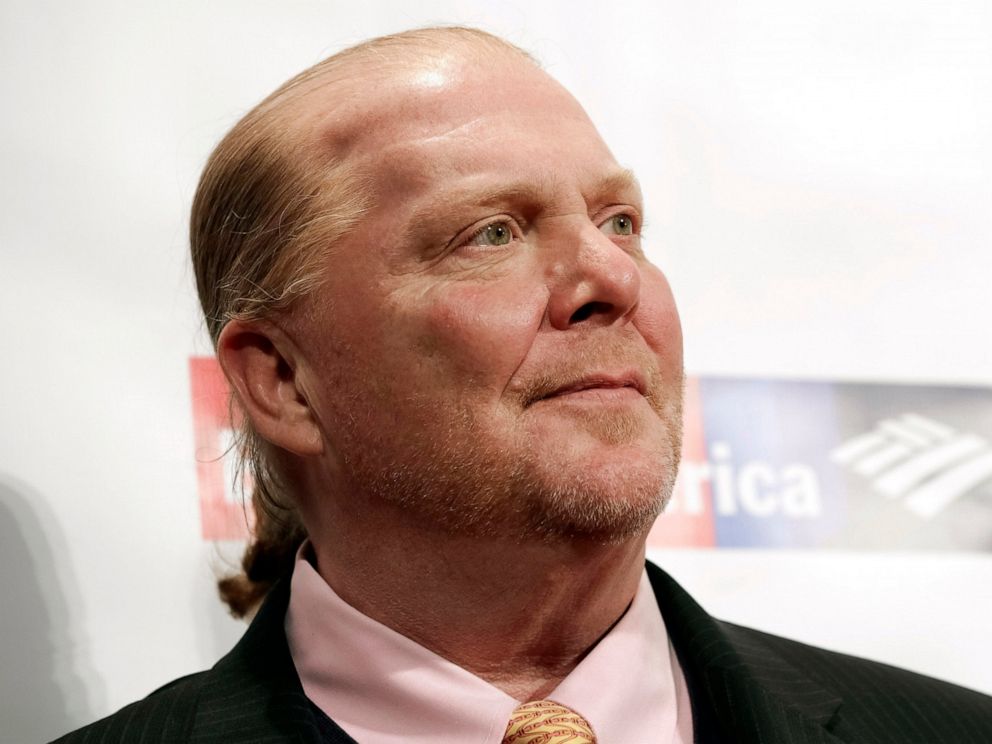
(597, 381)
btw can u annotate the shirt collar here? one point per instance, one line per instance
(383, 688)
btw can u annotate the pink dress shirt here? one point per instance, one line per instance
(383, 688)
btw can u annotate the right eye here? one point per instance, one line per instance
(618, 224)
(492, 235)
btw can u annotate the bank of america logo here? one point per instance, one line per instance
(925, 464)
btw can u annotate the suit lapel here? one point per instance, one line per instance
(741, 691)
(254, 694)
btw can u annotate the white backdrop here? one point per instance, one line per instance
(818, 179)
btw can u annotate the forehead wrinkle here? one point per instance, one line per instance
(459, 130)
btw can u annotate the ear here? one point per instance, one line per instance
(259, 363)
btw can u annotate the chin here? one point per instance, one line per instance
(609, 503)
(606, 483)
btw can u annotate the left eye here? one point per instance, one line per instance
(618, 224)
(493, 234)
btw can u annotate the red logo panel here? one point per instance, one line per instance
(688, 520)
(222, 516)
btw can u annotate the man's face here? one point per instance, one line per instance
(491, 352)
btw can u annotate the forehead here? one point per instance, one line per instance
(457, 116)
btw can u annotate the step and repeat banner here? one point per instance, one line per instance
(817, 180)
(788, 464)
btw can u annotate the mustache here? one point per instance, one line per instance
(612, 363)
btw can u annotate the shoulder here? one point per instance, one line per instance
(166, 715)
(760, 681)
(252, 694)
(891, 701)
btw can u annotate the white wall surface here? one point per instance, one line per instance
(818, 178)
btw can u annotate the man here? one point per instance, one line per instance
(461, 386)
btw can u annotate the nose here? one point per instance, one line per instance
(593, 281)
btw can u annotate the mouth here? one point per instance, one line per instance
(598, 386)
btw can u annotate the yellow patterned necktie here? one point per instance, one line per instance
(547, 722)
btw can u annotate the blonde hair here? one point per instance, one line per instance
(269, 208)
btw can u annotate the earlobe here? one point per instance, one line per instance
(258, 362)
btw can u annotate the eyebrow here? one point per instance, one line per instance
(621, 182)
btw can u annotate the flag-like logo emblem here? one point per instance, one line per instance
(925, 464)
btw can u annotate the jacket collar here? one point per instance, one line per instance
(741, 690)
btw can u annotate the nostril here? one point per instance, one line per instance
(588, 310)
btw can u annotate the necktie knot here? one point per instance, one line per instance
(547, 722)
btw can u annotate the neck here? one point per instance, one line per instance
(520, 616)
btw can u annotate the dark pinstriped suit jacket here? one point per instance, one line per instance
(746, 687)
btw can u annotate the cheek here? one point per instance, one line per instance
(480, 330)
(658, 319)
